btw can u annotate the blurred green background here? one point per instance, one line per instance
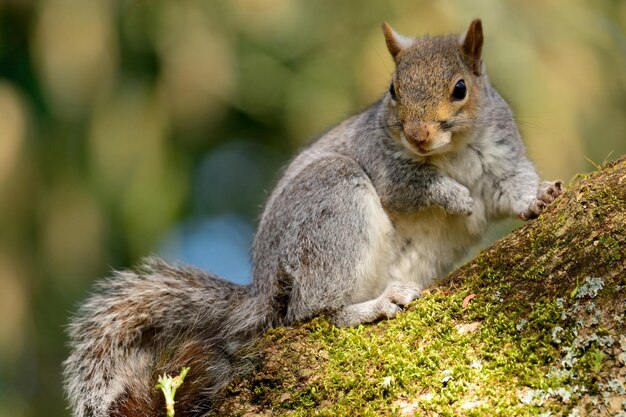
(137, 127)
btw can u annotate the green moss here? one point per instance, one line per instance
(485, 360)
(535, 273)
(613, 249)
(427, 358)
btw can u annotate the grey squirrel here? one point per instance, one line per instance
(359, 224)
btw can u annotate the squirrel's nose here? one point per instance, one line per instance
(417, 133)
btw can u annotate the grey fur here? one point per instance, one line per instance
(357, 226)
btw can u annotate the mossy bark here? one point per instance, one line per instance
(534, 325)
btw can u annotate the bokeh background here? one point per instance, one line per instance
(137, 127)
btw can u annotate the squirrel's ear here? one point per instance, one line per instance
(395, 41)
(472, 45)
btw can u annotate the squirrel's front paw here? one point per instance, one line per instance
(547, 192)
(461, 202)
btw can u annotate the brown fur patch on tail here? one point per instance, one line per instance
(210, 372)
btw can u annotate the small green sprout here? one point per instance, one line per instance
(169, 385)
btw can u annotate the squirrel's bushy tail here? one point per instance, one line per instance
(139, 325)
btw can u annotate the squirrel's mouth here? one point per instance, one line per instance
(438, 145)
(432, 150)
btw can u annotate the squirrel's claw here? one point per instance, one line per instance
(547, 192)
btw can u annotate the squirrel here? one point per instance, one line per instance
(362, 220)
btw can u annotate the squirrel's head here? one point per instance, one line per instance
(434, 96)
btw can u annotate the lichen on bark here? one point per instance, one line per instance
(543, 335)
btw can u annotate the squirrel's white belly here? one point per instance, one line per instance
(429, 242)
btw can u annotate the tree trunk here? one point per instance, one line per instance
(535, 325)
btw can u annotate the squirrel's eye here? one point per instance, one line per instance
(460, 91)
(392, 92)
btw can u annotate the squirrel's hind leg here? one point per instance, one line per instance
(387, 305)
